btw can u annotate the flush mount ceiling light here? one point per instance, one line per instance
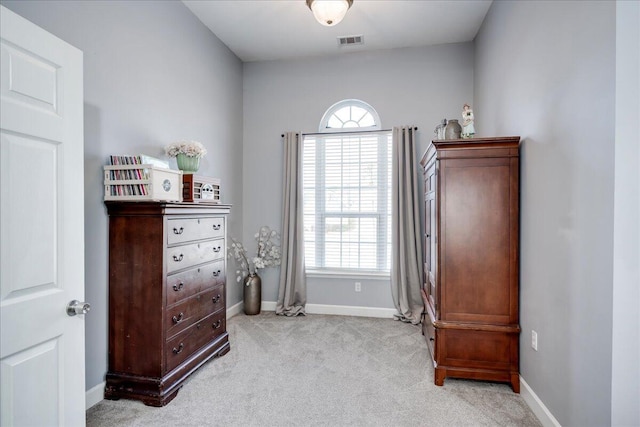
(329, 12)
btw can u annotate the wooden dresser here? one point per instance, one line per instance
(167, 316)
(471, 259)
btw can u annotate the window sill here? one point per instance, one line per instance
(339, 274)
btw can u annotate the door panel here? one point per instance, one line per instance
(18, 383)
(430, 236)
(477, 230)
(41, 226)
(32, 80)
(25, 223)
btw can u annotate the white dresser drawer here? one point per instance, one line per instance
(185, 256)
(181, 230)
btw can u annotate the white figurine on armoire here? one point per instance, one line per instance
(468, 130)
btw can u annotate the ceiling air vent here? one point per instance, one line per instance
(350, 40)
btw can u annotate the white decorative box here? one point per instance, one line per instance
(142, 182)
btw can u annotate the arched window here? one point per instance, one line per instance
(350, 114)
(347, 197)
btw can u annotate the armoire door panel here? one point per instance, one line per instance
(475, 234)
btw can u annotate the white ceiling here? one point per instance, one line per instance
(261, 30)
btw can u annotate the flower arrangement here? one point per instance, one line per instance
(188, 148)
(267, 253)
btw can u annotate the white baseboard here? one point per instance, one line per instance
(539, 409)
(268, 306)
(94, 395)
(235, 309)
(339, 310)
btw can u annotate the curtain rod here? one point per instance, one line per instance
(346, 132)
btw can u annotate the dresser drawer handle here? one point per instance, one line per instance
(216, 250)
(216, 227)
(176, 231)
(216, 299)
(178, 259)
(217, 324)
(177, 319)
(179, 349)
(216, 273)
(178, 287)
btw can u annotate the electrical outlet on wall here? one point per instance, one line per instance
(534, 340)
(358, 287)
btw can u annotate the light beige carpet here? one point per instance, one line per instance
(323, 371)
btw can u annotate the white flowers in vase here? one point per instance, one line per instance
(267, 253)
(188, 148)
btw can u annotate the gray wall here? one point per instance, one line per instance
(414, 86)
(546, 71)
(153, 73)
(625, 384)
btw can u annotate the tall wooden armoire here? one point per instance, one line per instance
(471, 258)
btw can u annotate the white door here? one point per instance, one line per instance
(41, 227)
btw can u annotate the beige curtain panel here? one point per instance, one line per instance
(292, 294)
(406, 241)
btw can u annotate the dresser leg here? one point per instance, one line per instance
(224, 350)
(439, 376)
(515, 383)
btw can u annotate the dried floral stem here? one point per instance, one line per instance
(267, 252)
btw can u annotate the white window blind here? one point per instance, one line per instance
(347, 201)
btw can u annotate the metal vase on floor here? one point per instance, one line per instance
(252, 294)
